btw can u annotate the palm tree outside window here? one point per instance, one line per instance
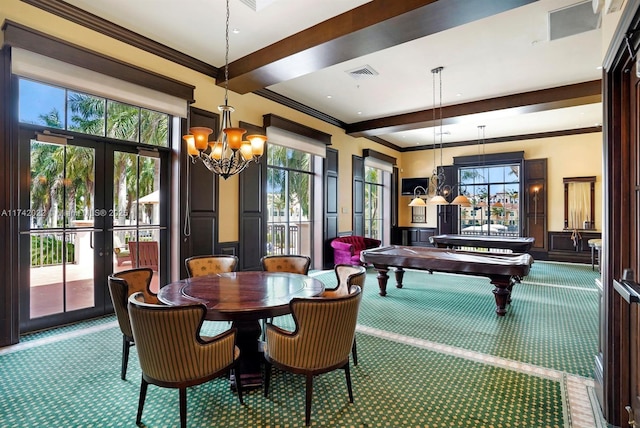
(374, 193)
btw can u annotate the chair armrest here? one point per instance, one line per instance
(218, 352)
(342, 246)
(278, 330)
(281, 344)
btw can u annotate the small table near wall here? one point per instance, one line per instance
(595, 245)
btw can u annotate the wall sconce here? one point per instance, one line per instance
(417, 201)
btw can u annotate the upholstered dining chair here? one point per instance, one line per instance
(121, 286)
(290, 263)
(320, 343)
(172, 354)
(210, 264)
(347, 276)
(286, 263)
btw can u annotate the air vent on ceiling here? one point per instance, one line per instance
(364, 72)
(572, 20)
(257, 5)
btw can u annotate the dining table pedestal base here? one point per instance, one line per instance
(251, 356)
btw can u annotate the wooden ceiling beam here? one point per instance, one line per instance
(527, 102)
(376, 25)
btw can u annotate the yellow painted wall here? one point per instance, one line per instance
(249, 108)
(567, 156)
(570, 156)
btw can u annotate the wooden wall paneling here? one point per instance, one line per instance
(448, 215)
(535, 203)
(395, 193)
(416, 236)
(9, 314)
(620, 243)
(203, 233)
(203, 195)
(253, 210)
(358, 195)
(330, 206)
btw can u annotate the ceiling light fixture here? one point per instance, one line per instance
(437, 190)
(437, 180)
(229, 154)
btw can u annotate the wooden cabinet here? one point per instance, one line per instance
(413, 236)
(563, 248)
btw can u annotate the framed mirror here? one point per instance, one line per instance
(579, 202)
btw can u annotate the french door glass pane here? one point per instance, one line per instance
(61, 198)
(136, 212)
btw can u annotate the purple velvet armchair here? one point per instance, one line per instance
(346, 249)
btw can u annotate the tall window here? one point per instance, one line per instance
(289, 195)
(495, 201)
(373, 202)
(55, 107)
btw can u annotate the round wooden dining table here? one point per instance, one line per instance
(244, 298)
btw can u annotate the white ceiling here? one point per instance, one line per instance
(504, 54)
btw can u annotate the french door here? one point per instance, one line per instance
(89, 207)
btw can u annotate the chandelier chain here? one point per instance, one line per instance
(229, 153)
(226, 58)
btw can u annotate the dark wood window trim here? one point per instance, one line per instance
(20, 36)
(380, 156)
(296, 128)
(489, 159)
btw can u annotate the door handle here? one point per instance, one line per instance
(632, 422)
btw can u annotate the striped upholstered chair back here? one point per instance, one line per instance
(288, 263)
(321, 341)
(169, 346)
(347, 276)
(121, 286)
(172, 353)
(209, 265)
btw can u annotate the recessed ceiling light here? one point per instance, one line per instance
(329, 96)
(458, 95)
(599, 67)
(359, 112)
(235, 31)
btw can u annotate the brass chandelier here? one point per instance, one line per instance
(229, 154)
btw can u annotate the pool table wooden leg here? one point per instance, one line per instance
(399, 277)
(383, 277)
(502, 293)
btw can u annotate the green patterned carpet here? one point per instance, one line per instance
(71, 379)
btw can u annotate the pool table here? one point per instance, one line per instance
(503, 270)
(516, 244)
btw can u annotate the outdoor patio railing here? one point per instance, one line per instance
(47, 249)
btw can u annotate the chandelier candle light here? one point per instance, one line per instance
(229, 154)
